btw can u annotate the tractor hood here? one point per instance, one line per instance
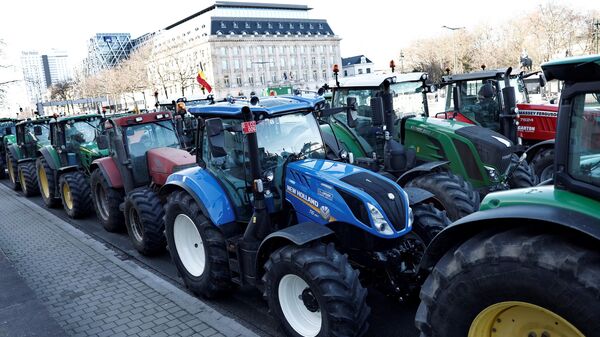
(166, 160)
(93, 151)
(325, 191)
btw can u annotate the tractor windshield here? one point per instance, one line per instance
(81, 131)
(42, 139)
(4, 126)
(143, 137)
(584, 142)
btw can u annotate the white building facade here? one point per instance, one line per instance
(244, 48)
(42, 70)
(356, 65)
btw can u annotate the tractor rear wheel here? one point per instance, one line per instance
(455, 195)
(75, 194)
(313, 291)
(197, 247)
(106, 202)
(28, 179)
(13, 175)
(523, 176)
(515, 282)
(46, 183)
(144, 221)
(543, 164)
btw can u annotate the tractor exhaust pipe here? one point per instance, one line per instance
(508, 122)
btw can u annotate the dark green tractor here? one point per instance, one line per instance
(528, 263)
(31, 135)
(7, 137)
(63, 166)
(446, 157)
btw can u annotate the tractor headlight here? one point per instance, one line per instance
(379, 222)
(492, 173)
(411, 217)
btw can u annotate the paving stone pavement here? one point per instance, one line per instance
(88, 290)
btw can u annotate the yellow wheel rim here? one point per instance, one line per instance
(11, 172)
(509, 319)
(22, 181)
(44, 182)
(67, 196)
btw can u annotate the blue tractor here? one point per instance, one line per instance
(265, 208)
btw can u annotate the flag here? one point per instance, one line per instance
(202, 80)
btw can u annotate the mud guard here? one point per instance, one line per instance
(419, 170)
(507, 217)
(109, 169)
(51, 157)
(417, 195)
(14, 151)
(299, 234)
(532, 151)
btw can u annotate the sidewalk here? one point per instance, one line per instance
(88, 290)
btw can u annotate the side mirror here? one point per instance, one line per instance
(102, 141)
(377, 111)
(37, 130)
(350, 117)
(430, 88)
(321, 91)
(542, 80)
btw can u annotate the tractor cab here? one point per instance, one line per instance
(74, 139)
(32, 135)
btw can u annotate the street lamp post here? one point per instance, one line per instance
(453, 29)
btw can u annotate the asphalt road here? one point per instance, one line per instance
(388, 317)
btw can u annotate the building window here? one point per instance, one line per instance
(324, 74)
(368, 70)
(224, 64)
(315, 76)
(248, 64)
(301, 49)
(314, 61)
(238, 80)
(236, 64)
(305, 75)
(235, 51)
(360, 71)
(262, 79)
(226, 81)
(312, 49)
(293, 61)
(258, 25)
(223, 51)
(282, 63)
(345, 73)
(247, 25)
(273, 78)
(269, 25)
(223, 25)
(270, 49)
(250, 80)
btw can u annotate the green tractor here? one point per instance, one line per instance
(528, 263)
(63, 166)
(7, 137)
(31, 135)
(448, 158)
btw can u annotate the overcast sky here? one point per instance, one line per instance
(376, 28)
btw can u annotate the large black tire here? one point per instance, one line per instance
(46, 183)
(543, 164)
(28, 179)
(144, 220)
(550, 271)
(13, 175)
(523, 176)
(455, 195)
(331, 287)
(106, 202)
(201, 255)
(428, 222)
(75, 194)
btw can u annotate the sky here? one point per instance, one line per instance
(378, 29)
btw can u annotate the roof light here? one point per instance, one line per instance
(139, 119)
(336, 69)
(159, 116)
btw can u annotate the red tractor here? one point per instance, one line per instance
(489, 98)
(144, 150)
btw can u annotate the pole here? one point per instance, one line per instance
(453, 29)
(597, 33)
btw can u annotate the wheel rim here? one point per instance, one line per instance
(298, 306)
(67, 197)
(520, 319)
(137, 228)
(11, 172)
(101, 201)
(44, 182)
(22, 181)
(189, 245)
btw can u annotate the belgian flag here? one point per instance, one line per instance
(201, 78)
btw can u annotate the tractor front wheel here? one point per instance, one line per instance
(144, 221)
(28, 179)
(46, 183)
(543, 164)
(455, 195)
(106, 202)
(523, 176)
(516, 282)
(11, 165)
(75, 194)
(197, 247)
(313, 291)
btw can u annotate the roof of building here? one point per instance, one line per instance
(348, 61)
(375, 80)
(266, 105)
(268, 26)
(577, 69)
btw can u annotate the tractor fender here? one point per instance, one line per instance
(299, 235)
(547, 217)
(109, 169)
(417, 195)
(25, 160)
(206, 190)
(51, 157)
(419, 170)
(15, 152)
(66, 169)
(532, 151)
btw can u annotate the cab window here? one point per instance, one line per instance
(584, 139)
